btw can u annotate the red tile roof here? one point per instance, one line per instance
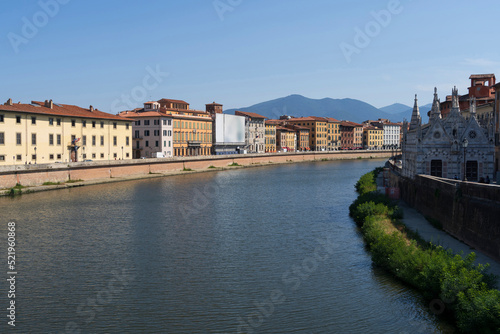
(174, 101)
(37, 107)
(331, 120)
(249, 114)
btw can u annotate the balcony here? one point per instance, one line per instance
(194, 143)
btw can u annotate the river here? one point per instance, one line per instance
(257, 250)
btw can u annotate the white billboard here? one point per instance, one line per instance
(229, 129)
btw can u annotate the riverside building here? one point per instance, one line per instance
(48, 132)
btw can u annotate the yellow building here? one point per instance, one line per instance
(47, 132)
(373, 138)
(333, 139)
(192, 128)
(286, 139)
(318, 135)
(270, 137)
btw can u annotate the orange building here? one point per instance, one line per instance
(482, 87)
(192, 128)
(286, 139)
(318, 131)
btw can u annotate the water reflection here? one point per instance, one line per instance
(208, 253)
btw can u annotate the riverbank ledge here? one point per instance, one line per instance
(15, 179)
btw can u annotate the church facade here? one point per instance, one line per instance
(452, 147)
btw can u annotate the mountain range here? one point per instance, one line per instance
(341, 109)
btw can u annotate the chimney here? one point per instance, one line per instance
(9, 102)
(91, 109)
(49, 104)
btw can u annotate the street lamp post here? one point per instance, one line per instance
(465, 143)
(35, 155)
(122, 152)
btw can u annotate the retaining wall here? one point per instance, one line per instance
(35, 175)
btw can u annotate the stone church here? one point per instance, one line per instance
(452, 147)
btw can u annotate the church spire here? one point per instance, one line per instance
(415, 115)
(473, 108)
(435, 111)
(455, 102)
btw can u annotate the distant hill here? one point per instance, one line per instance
(395, 108)
(297, 106)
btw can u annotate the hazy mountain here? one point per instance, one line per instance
(395, 108)
(297, 106)
(407, 112)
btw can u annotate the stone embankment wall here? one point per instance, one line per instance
(35, 175)
(468, 211)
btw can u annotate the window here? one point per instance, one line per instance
(102, 125)
(127, 141)
(93, 155)
(51, 139)
(93, 140)
(84, 123)
(127, 126)
(93, 124)
(114, 125)
(58, 121)
(156, 133)
(147, 143)
(73, 122)
(2, 157)
(33, 157)
(18, 119)
(146, 122)
(51, 121)
(146, 133)
(155, 122)
(102, 155)
(437, 168)
(164, 122)
(33, 139)
(157, 143)
(58, 156)
(137, 122)
(102, 140)
(136, 135)
(58, 139)
(33, 120)
(84, 156)
(51, 157)
(164, 132)
(84, 140)
(127, 155)
(169, 122)
(18, 157)
(137, 145)
(114, 140)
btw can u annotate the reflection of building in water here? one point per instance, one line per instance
(441, 147)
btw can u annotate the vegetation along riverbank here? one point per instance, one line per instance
(454, 286)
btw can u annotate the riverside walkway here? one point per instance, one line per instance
(417, 222)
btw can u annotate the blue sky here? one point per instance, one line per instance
(116, 55)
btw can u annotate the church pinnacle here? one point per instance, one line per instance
(415, 115)
(436, 110)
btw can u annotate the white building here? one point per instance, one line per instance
(151, 131)
(452, 147)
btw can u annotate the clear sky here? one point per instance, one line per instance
(117, 54)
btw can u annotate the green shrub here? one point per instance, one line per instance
(466, 289)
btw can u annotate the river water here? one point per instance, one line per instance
(259, 250)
